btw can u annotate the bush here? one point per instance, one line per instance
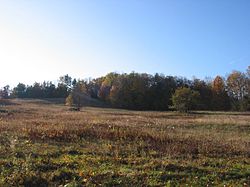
(69, 100)
(184, 99)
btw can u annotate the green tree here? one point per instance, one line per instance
(77, 95)
(204, 88)
(66, 80)
(5, 92)
(19, 91)
(184, 99)
(61, 91)
(159, 92)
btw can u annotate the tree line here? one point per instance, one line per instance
(141, 91)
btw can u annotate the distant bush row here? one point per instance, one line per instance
(147, 92)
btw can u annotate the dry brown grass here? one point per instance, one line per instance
(43, 143)
(170, 133)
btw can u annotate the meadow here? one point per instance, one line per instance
(44, 143)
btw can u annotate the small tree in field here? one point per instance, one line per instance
(69, 100)
(77, 95)
(184, 99)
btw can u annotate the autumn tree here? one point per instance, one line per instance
(248, 80)
(106, 86)
(237, 87)
(77, 95)
(220, 100)
(184, 99)
(69, 100)
(129, 91)
(245, 104)
(143, 91)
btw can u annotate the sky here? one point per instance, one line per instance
(44, 39)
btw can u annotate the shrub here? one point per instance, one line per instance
(184, 99)
(69, 100)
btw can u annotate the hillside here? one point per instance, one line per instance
(45, 144)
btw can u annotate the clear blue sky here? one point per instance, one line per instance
(43, 39)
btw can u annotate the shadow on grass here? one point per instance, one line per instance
(220, 113)
(6, 102)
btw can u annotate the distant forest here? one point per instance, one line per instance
(141, 91)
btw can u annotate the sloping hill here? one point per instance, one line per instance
(86, 101)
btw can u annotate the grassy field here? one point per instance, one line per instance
(45, 144)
